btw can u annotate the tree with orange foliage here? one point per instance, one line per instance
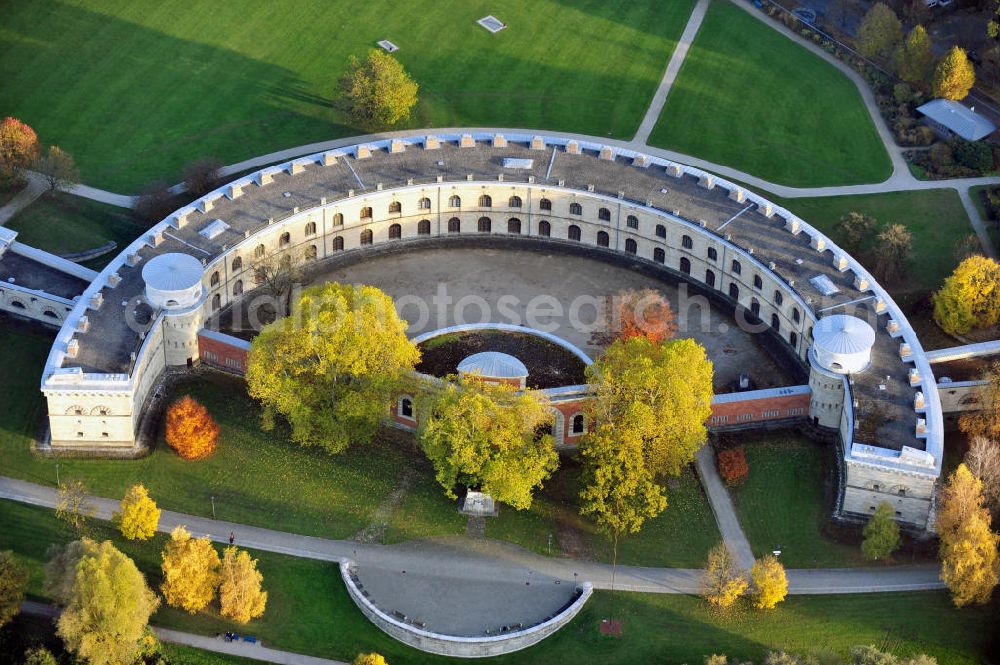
(643, 313)
(733, 466)
(191, 431)
(18, 149)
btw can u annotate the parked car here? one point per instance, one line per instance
(805, 15)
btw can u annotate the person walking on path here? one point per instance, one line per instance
(232, 537)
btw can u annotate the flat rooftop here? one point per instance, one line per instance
(32, 274)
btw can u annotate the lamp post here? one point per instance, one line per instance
(213, 507)
(58, 484)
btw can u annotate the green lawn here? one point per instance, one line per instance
(781, 504)
(309, 611)
(752, 99)
(62, 224)
(136, 89)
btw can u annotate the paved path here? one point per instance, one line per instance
(722, 506)
(35, 188)
(466, 561)
(670, 74)
(218, 645)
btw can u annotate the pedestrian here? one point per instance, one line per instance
(232, 537)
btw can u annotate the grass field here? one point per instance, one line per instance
(657, 628)
(750, 98)
(136, 89)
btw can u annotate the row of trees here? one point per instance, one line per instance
(887, 250)
(20, 151)
(859, 655)
(724, 583)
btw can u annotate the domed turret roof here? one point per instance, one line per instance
(494, 365)
(840, 334)
(172, 272)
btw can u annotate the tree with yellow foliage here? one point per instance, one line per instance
(139, 515)
(969, 560)
(770, 582)
(370, 659)
(240, 595)
(723, 583)
(190, 571)
(970, 297)
(984, 422)
(954, 75)
(191, 431)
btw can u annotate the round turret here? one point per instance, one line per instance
(843, 344)
(173, 281)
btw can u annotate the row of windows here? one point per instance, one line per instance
(764, 415)
(405, 410)
(486, 201)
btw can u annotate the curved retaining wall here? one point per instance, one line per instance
(505, 327)
(452, 645)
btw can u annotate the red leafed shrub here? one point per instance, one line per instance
(733, 466)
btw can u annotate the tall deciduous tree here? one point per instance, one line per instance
(379, 90)
(881, 533)
(105, 601)
(58, 168)
(723, 583)
(643, 313)
(241, 597)
(139, 515)
(969, 559)
(983, 461)
(914, 59)
(74, 506)
(892, 252)
(203, 176)
(853, 229)
(489, 437)
(970, 297)
(18, 149)
(880, 31)
(191, 431)
(370, 659)
(984, 422)
(769, 581)
(13, 582)
(190, 571)
(333, 367)
(954, 75)
(277, 275)
(657, 394)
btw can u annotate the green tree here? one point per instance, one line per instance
(39, 656)
(379, 90)
(105, 601)
(914, 59)
(954, 75)
(892, 252)
(853, 229)
(970, 297)
(333, 367)
(489, 437)
(139, 515)
(881, 533)
(657, 394)
(970, 565)
(880, 31)
(723, 583)
(13, 582)
(190, 571)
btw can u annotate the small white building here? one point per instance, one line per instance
(949, 118)
(843, 344)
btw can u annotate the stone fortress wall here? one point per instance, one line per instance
(88, 409)
(26, 299)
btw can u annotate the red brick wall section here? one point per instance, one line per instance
(219, 354)
(756, 410)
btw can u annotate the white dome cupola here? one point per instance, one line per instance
(173, 281)
(843, 344)
(496, 367)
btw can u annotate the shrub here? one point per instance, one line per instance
(191, 431)
(733, 465)
(203, 176)
(154, 203)
(881, 534)
(940, 155)
(973, 154)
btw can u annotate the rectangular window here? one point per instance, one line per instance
(743, 417)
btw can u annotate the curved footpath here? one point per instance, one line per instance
(460, 559)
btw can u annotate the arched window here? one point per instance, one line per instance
(574, 232)
(50, 314)
(632, 222)
(603, 214)
(311, 229)
(424, 227)
(659, 255)
(575, 209)
(338, 243)
(216, 302)
(238, 287)
(214, 281)
(395, 208)
(778, 298)
(406, 407)
(338, 219)
(455, 201)
(424, 203)
(484, 225)
(685, 265)
(686, 242)
(485, 201)
(755, 307)
(285, 239)
(366, 212)
(577, 426)
(630, 246)
(795, 314)
(515, 202)
(514, 226)
(544, 229)
(260, 251)
(734, 291)
(395, 232)
(18, 304)
(661, 231)
(311, 253)
(758, 283)
(737, 268)
(710, 278)
(603, 239)
(793, 339)
(775, 322)
(454, 225)
(713, 255)
(238, 264)
(366, 237)
(544, 204)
